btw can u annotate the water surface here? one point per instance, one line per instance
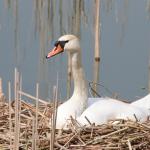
(28, 30)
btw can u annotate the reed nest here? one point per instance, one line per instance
(120, 135)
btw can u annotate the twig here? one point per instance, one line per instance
(60, 146)
(129, 144)
(88, 120)
(32, 108)
(97, 139)
(70, 139)
(32, 97)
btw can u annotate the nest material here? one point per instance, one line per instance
(119, 136)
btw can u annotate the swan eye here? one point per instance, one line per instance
(56, 43)
(61, 43)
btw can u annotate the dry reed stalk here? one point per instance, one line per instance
(33, 134)
(60, 146)
(97, 31)
(129, 144)
(32, 108)
(97, 44)
(10, 122)
(54, 116)
(36, 115)
(97, 139)
(88, 120)
(16, 140)
(70, 139)
(19, 101)
(32, 97)
(1, 89)
(144, 125)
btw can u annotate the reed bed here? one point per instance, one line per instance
(27, 126)
(35, 131)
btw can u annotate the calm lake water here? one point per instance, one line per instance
(28, 30)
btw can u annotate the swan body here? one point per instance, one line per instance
(92, 100)
(143, 102)
(107, 109)
(134, 114)
(102, 109)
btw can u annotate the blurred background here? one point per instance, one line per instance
(28, 30)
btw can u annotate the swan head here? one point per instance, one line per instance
(69, 43)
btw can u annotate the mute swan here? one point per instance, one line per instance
(78, 102)
(98, 112)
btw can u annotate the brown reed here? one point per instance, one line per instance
(29, 123)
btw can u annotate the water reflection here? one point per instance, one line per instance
(36, 24)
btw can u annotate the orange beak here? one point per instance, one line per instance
(55, 51)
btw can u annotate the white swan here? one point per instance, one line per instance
(98, 112)
(78, 102)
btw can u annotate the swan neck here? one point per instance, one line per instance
(80, 87)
